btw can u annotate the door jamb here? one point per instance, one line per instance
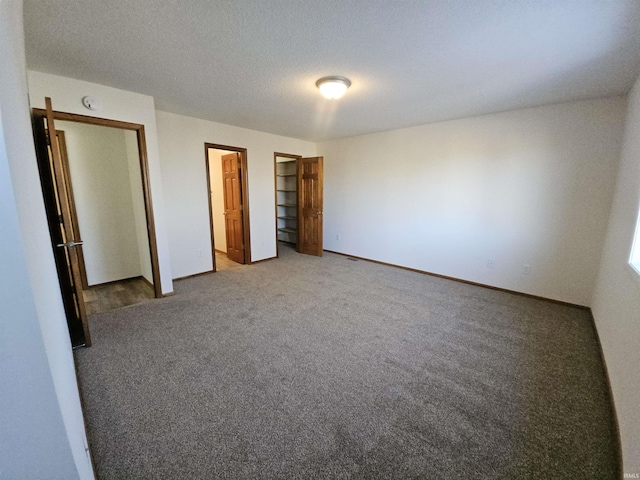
(246, 234)
(144, 173)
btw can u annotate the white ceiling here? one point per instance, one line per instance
(254, 63)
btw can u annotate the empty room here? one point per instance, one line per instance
(294, 239)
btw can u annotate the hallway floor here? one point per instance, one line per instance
(109, 296)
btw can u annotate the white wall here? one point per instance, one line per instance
(217, 198)
(527, 187)
(616, 301)
(181, 141)
(66, 95)
(99, 170)
(40, 416)
(34, 441)
(139, 212)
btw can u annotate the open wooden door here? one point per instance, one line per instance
(310, 178)
(56, 196)
(62, 148)
(233, 211)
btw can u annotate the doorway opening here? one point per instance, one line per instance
(95, 183)
(228, 206)
(286, 186)
(298, 185)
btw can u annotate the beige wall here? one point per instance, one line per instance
(99, 169)
(181, 141)
(616, 300)
(527, 187)
(41, 424)
(139, 209)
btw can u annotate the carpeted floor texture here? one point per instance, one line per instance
(311, 368)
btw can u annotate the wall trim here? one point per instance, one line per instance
(468, 282)
(110, 282)
(146, 281)
(264, 260)
(194, 275)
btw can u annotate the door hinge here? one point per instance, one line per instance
(60, 218)
(48, 137)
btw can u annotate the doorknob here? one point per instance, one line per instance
(319, 213)
(224, 213)
(69, 244)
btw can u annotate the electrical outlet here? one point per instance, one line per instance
(526, 269)
(491, 263)
(200, 253)
(338, 237)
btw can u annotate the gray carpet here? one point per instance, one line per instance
(306, 367)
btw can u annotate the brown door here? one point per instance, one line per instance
(63, 235)
(310, 179)
(231, 176)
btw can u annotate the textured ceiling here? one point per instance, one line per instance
(254, 63)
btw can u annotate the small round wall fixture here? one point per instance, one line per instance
(333, 87)
(91, 103)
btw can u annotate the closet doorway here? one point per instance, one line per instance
(299, 202)
(228, 205)
(94, 180)
(286, 186)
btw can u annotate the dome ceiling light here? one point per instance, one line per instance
(333, 87)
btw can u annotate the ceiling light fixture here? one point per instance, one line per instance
(333, 87)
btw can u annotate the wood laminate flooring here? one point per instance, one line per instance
(223, 262)
(109, 296)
